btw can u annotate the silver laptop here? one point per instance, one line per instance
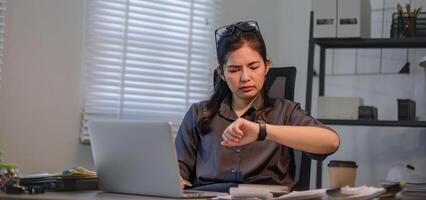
(137, 157)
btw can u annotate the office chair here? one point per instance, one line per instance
(280, 82)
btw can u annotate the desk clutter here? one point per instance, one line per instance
(73, 179)
(78, 178)
(354, 193)
(413, 182)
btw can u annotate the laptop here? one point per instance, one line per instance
(137, 157)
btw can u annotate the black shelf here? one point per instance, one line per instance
(374, 123)
(413, 42)
(325, 43)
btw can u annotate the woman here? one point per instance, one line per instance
(240, 135)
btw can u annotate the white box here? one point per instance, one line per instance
(353, 18)
(325, 18)
(338, 107)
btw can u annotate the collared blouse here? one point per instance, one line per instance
(210, 166)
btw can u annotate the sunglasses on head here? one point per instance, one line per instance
(228, 30)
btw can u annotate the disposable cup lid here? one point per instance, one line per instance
(342, 163)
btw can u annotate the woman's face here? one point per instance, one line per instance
(245, 72)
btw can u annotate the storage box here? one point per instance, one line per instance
(406, 109)
(353, 18)
(338, 107)
(325, 13)
(367, 112)
(342, 18)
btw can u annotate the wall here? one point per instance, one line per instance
(267, 15)
(294, 34)
(40, 97)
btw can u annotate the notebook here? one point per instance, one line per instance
(137, 157)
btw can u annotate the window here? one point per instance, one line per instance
(2, 31)
(147, 59)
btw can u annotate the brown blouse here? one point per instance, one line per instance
(210, 166)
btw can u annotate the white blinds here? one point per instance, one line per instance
(147, 59)
(2, 31)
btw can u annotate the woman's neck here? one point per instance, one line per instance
(240, 106)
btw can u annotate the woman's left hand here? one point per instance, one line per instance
(240, 132)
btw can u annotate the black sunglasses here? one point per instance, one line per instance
(228, 30)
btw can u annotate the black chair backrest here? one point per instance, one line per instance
(280, 82)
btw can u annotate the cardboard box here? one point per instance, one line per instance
(338, 107)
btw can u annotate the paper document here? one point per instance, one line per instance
(262, 193)
(308, 194)
(355, 193)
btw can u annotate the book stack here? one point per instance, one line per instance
(414, 190)
(413, 181)
(73, 179)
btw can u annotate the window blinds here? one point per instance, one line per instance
(147, 59)
(2, 32)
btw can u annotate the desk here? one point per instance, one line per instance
(83, 195)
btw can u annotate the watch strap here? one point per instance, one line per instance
(262, 130)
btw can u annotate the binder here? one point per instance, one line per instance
(353, 18)
(325, 17)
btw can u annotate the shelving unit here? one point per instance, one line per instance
(336, 43)
(374, 123)
(371, 43)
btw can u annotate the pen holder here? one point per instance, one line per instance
(407, 26)
(403, 27)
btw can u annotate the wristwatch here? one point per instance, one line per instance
(262, 130)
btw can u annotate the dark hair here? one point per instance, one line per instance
(224, 47)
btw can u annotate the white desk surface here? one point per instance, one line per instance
(83, 195)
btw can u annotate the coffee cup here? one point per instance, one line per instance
(342, 173)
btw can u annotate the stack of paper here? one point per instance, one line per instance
(256, 192)
(415, 181)
(414, 190)
(352, 193)
(308, 194)
(274, 189)
(355, 193)
(237, 193)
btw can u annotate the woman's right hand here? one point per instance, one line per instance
(183, 183)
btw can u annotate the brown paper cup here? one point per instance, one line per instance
(342, 173)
